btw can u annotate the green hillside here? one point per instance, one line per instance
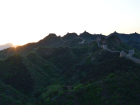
(10, 96)
(13, 72)
(52, 73)
(97, 83)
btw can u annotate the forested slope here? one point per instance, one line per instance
(69, 74)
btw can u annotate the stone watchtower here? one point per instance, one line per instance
(104, 47)
(131, 52)
(122, 54)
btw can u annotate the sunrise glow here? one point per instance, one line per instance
(27, 21)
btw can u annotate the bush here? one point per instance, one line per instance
(111, 75)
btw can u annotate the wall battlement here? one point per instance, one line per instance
(123, 54)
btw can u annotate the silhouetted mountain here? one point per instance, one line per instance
(89, 37)
(127, 37)
(50, 41)
(70, 70)
(69, 36)
(69, 40)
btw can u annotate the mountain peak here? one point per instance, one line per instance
(52, 35)
(70, 36)
(114, 33)
(135, 33)
(73, 34)
(85, 33)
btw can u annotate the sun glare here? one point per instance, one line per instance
(18, 41)
(14, 45)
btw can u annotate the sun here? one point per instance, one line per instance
(14, 45)
(17, 42)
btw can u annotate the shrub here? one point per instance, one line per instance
(111, 75)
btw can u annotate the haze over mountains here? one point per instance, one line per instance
(71, 70)
(6, 46)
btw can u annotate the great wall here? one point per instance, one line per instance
(122, 53)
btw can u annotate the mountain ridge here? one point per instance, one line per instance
(57, 71)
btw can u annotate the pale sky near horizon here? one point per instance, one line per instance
(23, 21)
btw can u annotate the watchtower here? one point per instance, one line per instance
(122, 54)
(104, 47)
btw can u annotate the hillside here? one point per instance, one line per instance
(9, 95)
(96, 84)
(62, 71)
(134, 44)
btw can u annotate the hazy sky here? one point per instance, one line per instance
(23, 21)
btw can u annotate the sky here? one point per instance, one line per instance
(24, 21)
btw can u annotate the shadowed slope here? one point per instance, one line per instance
(13, 72)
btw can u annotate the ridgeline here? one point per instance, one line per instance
(71, 70)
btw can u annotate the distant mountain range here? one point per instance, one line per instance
(6, 46)
(88, 36)
(126, 38)
(52, 40)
